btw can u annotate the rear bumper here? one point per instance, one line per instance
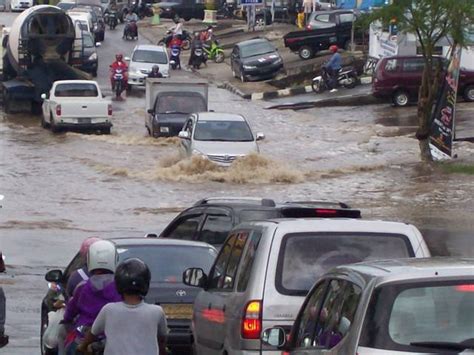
(84, 125)
(260, 73)
(165, 129)
(180, 334)
(139, 79)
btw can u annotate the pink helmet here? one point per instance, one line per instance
(86, 244)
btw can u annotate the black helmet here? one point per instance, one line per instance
(132, 276)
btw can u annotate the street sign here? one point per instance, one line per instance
(251, 2)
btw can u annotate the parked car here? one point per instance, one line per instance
(185, 9)
(88, 60)
(385, 307)
(211, 219)
(166, 259)
(219, 137)
(143, 58)
(98, 23)
(399, 78)
(20, 5)
(76, 104)
(66, 5)
(255, 59)
(265, 269)
(325, 5)
(331, 19)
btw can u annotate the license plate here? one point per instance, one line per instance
(83, 120)
(178, 311)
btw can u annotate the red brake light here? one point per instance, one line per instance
(324, 212)
(58, 110)
(308, 27)
(252, 320)
(109, 110)
(465, 288)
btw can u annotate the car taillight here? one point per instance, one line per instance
(308, 27)
(465, 288)
(252, 320)
(109, 110)
(325, 212)
(58, 110)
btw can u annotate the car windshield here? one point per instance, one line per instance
(168, 262)
(304, 257)
(76, 90)
(66, 5)
(225, 131)
(180, 103)
(420, 316)
(149, 56)
(88, 42)
(256, 48)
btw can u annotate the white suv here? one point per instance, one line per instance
(144, 57)
(219, 137)
(265, 269)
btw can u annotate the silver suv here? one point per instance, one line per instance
(219, 137)
(265, 269)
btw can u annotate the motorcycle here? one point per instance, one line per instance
(112, 19)
(175, 61)
(118, 84)
(345, 77)
(214, 52)
(198, 57)
(130, 32)
(186, 39)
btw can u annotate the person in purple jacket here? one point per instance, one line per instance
(90, 296)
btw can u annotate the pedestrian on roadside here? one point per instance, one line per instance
(131, 326)
(308, 8)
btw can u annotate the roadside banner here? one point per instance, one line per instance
(442, 123)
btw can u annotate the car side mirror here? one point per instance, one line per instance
(98, 44)
(183, 135)
(151, 111)
(54, 276)
(275, 337)
(127, 59)
(43, 96)
(195, 277)
(260, 136)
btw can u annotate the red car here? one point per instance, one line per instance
(399, 78)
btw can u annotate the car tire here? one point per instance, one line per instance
(400, 98)
(44, 124)
(54, 128)
(259, 22)
(468, 93)
(305, 52)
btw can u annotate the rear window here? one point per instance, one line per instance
(76, 90)
(304, 257)
(409, 316)
(174, 102)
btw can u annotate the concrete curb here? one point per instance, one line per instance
(346, 100)
(267, 95)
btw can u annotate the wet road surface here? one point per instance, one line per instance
(62, 188)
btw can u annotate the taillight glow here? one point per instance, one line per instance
(109, 110)
(252, 320)
(322, 212)
(465, 288)
(58, 110)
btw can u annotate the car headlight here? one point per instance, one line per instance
(249, 67)
(278, 61)
(93, 56)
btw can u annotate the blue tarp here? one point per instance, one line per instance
(359, 4)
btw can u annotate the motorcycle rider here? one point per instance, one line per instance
(155, 72)
(90, 296)
(333, 66)
(119, 64)
(132, 326)
(129, 17)
(3, 337)
(196, 43)
(177, 29)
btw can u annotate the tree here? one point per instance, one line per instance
(431, 21)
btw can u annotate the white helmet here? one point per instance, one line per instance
(101, 255)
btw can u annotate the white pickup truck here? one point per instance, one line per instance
(76, 104)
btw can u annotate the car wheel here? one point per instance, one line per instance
(44, 124)
(260, 22)
(54, 127)
(400, 98)
(305, 52)
(469, 93)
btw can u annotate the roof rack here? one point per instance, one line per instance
(318, 203)
(255, 200)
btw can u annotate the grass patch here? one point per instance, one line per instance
(458, 169)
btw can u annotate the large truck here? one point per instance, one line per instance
(38, 51)
(170, 102)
